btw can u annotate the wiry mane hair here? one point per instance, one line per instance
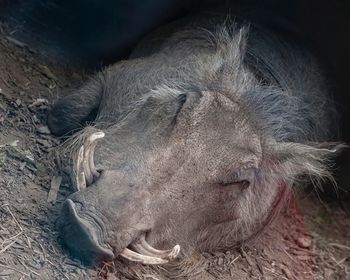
(280, 81)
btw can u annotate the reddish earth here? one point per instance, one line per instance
(310, 239)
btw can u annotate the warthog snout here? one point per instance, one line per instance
(84, 235)
(86, 226)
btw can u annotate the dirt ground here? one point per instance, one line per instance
(311, 239)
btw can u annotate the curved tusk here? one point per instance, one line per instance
(86, 170)
(174, 252)
(144, 248)
(96, 135)
(80, 177)
(92, 145)
(92, 167)
(136, 257)
(86, 163)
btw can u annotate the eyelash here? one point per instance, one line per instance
(237, 178)
(243, 183)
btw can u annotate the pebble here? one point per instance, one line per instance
(43, 129)
(304, 242)
(44, 143)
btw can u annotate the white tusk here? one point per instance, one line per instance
(86, 163)
(136, 257)
(85, 168)
(97, 135)
(174, 252)
(90, 158)
(80, 177)
(94, 172)
(144, 248)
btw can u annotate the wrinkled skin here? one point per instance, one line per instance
(201, 144)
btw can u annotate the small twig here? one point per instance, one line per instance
(307, 251)
(54, 188)
(32, 271)
(288, 255)
(42, 249)
(38, 102)
(13, 217)
(336, 262)
(8, 246)
(149, 276)
(13, 237)
(341, 246)
(341, 261)
(14, 269)
(28, 241)
(275, 273)
(235, 259)
(58, 269)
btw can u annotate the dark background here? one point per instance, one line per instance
(92, 33)
(95, 32)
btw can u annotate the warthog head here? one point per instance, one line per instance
(181, 165)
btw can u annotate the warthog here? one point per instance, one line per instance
(193, 143)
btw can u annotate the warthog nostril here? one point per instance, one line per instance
(81, 236)
(85, 166)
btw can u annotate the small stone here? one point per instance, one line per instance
(328, 273)
(22, 165)
(41, 103)
(47, 72)
(29, 155)
(44, 143)
(43, 129)
(287, 272)
(14, 143)
(304, 242)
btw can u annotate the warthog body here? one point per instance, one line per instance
(206, 128)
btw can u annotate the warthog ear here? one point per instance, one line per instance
(296, 161)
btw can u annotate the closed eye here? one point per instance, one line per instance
(243, 178)
(243, 183)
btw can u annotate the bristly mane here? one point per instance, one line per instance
(283, 87)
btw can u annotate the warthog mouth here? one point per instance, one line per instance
(87, 229)
(85, 234)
